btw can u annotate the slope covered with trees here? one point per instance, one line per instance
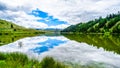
(110, 23)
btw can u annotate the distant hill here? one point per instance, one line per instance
(9, 28)
(109, 24)
(50, 29)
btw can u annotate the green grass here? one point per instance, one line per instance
(11, 28)
(18, 60)
(49, 62)
(10, 32)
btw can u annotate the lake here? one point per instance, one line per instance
(78, 50)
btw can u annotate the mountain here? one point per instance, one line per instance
(109, 24)
(10, 28)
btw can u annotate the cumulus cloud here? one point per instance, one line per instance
(75, 11)
(19, 14)
(70, 11)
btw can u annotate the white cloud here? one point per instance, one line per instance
(62, 26)
(22, 19)
(30, 21)
(72, 11)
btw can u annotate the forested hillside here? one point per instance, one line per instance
(111, 24)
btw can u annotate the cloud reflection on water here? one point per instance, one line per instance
(63, 49)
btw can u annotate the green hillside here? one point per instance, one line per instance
(109, 24)
(10, 28)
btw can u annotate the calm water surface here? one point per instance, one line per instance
(96, 50)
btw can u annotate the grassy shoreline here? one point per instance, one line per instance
(18, 60)
(107, 33)
(7, 28)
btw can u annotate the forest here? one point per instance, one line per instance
(109, 24)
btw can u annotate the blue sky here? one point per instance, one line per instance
(55, 13)
(49, 20)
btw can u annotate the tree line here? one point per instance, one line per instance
(111, 23)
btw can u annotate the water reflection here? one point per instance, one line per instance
(46, 45)
(6, 39)
(110, 43)
(75, 49)
(38, 44)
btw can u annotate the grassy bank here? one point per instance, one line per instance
(18, 60)
(7, 28)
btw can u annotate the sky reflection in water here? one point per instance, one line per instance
(64, 50)
(46, 45)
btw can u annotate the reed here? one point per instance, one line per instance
(18, 60)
